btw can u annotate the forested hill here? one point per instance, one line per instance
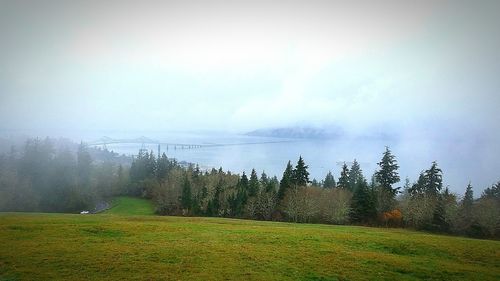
(39, 178)
(296, 132)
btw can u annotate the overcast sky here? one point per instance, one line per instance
(243, 65)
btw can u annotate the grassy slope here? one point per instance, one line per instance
(109, 247)
(129, 206)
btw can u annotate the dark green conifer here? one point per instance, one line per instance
(355, 175)
(344, 177)
(253, 184)
(286, 181)
(300, 173)
(329, 181)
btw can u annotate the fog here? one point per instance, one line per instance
(406, 69)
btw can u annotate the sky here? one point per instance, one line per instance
(423, 68)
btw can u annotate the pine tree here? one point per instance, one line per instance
(214, 204)
(300, 174)
(468, 199)
(286, 181)
(418, 188)
(439, 222)
(355, 175)
(407, 186)
(433, 180)
(244, 182)
(273, 185)
(388, 175)
(314, 182)
(162, 167)
(138, 167)
(329, 181)
(264, 179)
(466, 207)
(241, 195)
(363, 203)
(253, 184)
(186, 200)
(344, 177)
(492, 192)
(211, 209)
(151, 165)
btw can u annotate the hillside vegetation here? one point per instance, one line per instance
(109, 247)
(47, 177)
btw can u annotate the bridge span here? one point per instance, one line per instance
(103, 141)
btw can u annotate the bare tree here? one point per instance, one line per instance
(291, 205)
(335, 206)
(309, 203)
(301, 203)
(486, 214)
(418, 210)
(266, 204)
(251, 208)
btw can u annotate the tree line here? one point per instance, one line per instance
(41, 179)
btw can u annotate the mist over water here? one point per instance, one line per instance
(461, 161)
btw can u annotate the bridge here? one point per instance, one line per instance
(141, 140)
(103, 141)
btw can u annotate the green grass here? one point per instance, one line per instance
(130, 206)
(110, 247)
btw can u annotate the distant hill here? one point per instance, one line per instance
(295, 132)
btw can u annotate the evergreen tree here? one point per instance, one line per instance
(286, 181)
(253, 184)
(186, 200)
(388, 175)
(151, 165)
(214, 204)
(418, 188)
(162, 167)
(211, 209)
(143, 166)
(266, 183)
(240, 201)
(439, 222)
(329, 181)
(407, 186)
(273, 185)
(314, 182)
(264, 179)
(433, 180)
(344, 177)
(355, 175)
(492, 192)
(244, 182)
(468, 199)
(241, 195)
(466, 207)
(363, 203)
(300, 175)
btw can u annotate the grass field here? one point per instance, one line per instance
(129, 206)
(112, 247)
